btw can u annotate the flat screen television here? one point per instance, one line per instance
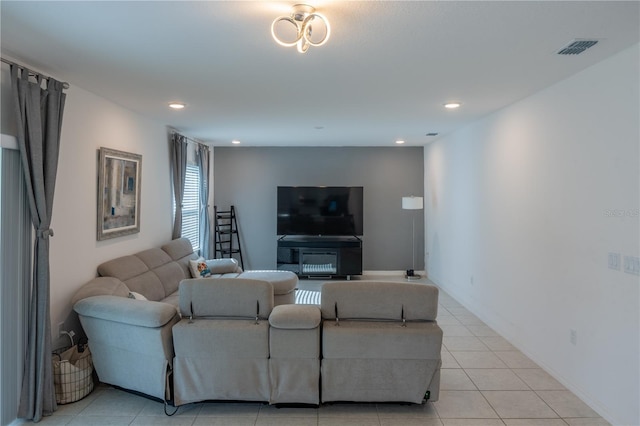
(320, 210)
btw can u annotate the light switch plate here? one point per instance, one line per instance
(632, 265)
(614, 261)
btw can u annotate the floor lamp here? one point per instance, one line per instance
(412, 203)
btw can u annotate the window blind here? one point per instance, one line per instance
(191, 206)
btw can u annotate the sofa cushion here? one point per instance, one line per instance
(170, 276)
(225, 297)
(283, 282)
(178, 248)
(151, 272)
(173, 299)
(101, 286)
(123, 268)
(153, 257)
(381, 340)
(148, 284)
(227, 275)
(181, 252)
(379, 300)
(223, 338)
(295, 317)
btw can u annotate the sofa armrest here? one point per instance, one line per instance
(143, 313)
(101, 286)
(295, 317)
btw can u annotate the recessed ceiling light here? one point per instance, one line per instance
(452, 105)
(399, 142)
(235, 142)
(177, 105)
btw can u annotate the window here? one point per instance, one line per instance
(191, 206)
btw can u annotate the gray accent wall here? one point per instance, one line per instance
(247, 177)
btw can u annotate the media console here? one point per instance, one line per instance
(320, 257)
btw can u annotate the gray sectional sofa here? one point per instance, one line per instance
(130, 339)
(225, 338)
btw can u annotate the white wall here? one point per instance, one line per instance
(91, 122)
(522, 209)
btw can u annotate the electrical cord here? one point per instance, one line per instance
(70, 334)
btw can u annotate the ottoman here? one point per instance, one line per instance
(284, 284)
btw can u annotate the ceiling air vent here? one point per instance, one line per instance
(577, 46)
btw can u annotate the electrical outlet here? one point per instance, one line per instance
(632, 265)
(573, 336)
(614, 261)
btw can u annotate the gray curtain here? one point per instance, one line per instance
(39, 119)
(178, 171)
(205, 223)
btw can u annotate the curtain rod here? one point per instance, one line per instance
(32, 72)
(175, 132)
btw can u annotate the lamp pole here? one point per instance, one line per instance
(413, 203)
(413, 246)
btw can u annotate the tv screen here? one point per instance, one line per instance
(320, 210)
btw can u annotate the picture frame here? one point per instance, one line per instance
(119, 186)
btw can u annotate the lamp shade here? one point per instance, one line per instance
(412, 203)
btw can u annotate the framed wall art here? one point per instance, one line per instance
(119, 176)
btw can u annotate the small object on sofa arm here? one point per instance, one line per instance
(136, 296)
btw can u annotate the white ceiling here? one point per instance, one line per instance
(384, 74)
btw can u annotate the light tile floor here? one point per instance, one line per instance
(485, 382)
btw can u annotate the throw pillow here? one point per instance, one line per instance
(199, 268)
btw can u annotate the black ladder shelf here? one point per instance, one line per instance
(227, 234)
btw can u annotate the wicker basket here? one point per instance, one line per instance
(72, 374)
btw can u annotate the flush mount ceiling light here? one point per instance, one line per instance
(399, 142)
(452, 105)
(303, 19)
(176, 105)
(235, 142)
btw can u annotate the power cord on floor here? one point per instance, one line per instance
(166, 405)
